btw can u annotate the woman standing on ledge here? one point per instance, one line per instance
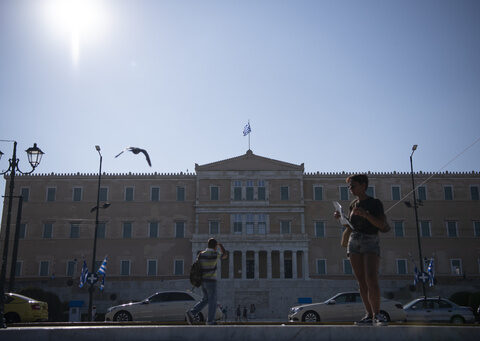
(363, 247)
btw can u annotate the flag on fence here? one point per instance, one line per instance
(247, 129)
(431, 272)
(103, 268)
(83, 275)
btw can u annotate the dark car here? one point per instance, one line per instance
(437, 309)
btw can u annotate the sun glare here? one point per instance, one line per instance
(82, 21)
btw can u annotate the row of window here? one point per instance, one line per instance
(254, 224)
(251, 193)
(402, 268)
(125, 268)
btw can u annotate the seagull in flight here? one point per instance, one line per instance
(136, 150)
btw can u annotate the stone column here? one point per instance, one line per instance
(244, 264)
(294, 264)
(305, 265)
(230, 264)
(282, 264)
(269, 264)
(257, 267)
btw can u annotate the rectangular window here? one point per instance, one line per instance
(18, 268)
(214, 227)
(321, 266)
(47, 230)
(395, 192)
(127, 230)
(179, 229)
(399, 231)
(370, 191)
(155, 194)
(422, 193)
(250, 223)
(178, 267)
(319, 229)
(347, 267)
(237, 190)
(103, 194)
(452, 229)
(425, 229)
(284, 193)
(153, 229)
(261, 190)
(237, 224)
(151, 267)
(285, 227)
(344, 193)
(262, 224)
(101, 230)
(74, 230)
(401, 266)
(317, 193)
(23, 231)
(448, 192)
(249, 190)
(456, 266)
(214, 193)
(25, 193)
(474, 192)
(476, 228)
(128, 193)
(77, 194)
(71, 268)
(51, 193)
(44, 267)
(125, 268)
(180, 193)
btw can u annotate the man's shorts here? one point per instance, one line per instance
(363, 243)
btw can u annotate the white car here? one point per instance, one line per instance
(438, 309)
(161, 306)
(344, 307)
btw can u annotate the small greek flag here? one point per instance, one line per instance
(431, 273)
(102, 285)
(83, 275)
(247, 129)
(103, 268)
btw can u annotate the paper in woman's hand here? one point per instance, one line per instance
(343, 219)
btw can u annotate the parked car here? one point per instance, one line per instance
(438, 309)
(161, 306)
(346, 307)
(19, 308)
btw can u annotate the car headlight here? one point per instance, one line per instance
(295, 310)
(109, 309)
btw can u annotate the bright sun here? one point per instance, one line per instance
(81, 20)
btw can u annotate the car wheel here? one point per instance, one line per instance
(122, 316)
(385, 314)
(12, 318)
(457, 320)
(310, 316)
(198, 318)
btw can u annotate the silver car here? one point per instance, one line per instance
(437, 309)
(345, 307)
(161, 306)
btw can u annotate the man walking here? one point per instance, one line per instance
(208, 262)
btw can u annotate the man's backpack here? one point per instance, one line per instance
(196, 274)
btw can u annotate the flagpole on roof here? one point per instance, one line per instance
(249, 135)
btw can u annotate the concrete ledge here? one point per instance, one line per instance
(238, 332)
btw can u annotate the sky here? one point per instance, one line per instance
(337, 85)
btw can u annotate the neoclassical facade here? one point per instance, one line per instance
(274, 219)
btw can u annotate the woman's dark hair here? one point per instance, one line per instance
(359, 178)
(212, 243)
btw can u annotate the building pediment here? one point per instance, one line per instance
(249, 162)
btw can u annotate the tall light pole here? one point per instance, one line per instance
(34, 157)
(96, 208)
(415, 206)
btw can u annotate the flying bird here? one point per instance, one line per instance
(136, 150)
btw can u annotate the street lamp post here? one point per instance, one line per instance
(415, 206)
(34, 157)
(97, 209)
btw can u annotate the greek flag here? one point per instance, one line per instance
(415, 278)
(247, 129)
(102, 285)
(103, 268)
(431, 273)
(83, 275)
